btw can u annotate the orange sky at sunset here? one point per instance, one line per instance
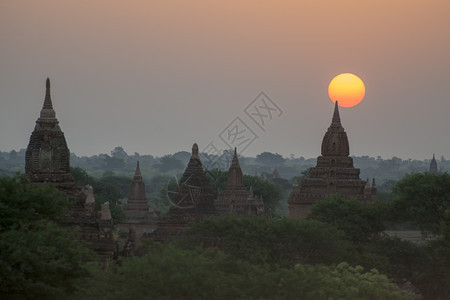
(156, 76)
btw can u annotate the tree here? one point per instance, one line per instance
(81, 177)
(168, 162)
(109, 188)
(270, 192)
(119, 153)
(359, 221)
(38, 258)
(171, 273)
(422, 199)
(113, 163)
(270, 159)
(279, 241)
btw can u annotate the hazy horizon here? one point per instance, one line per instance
(155, 77)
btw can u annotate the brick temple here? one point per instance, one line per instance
(47, 161)
(193, 200)
(140, 217)
(235, 198)
(333, 174)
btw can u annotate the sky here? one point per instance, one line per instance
(156, 76)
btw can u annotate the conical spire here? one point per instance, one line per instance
(47, 112)
(195, 151)
(235, 158)
(137, 199)
(433, 165)
(235, 176)
(373, 183)
(336, 118)
(335, 141)
(295, 183)
(137, 173)
(48, 100)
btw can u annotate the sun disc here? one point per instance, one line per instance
(346, 88)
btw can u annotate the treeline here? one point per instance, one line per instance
(110, 174)
(338, 252)
(120, 162)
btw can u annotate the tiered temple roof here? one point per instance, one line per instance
(137, 206)
(235, 198)
(192, 201)
(140, 217)
(333, 174)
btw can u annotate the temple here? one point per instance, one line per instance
(275, 173)
(47, 160)
(47, 155)
(235, 198)
(192, 200)
(433, 166)
(140, 217)
(333, 174)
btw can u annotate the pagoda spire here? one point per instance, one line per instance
(48, 99)
(235, 176)
(195, 151)
(137, 190)
(235, 158)
(433, 166)
(137, 173)
(336, 118)
(47, 112)
(335, 141)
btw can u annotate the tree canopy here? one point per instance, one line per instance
(357, 220)
(424, 200)
(172, 273)
(38, 258)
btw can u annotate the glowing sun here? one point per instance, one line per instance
(346, 88)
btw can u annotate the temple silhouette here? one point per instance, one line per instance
(333, 174)
(235, 198)
(47, 161)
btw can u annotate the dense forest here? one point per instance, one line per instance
(340, 251)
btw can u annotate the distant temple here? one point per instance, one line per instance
(47, 161)
(433, 166)
(193, 200)
(333, 174)
(140, 217)
(275, 173)
(235, 198)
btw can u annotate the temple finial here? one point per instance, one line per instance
(138, 170)
(235, 158)
(195, 150)
(295, 183)
(48, 100)
(336, 118)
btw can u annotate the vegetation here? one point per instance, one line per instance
(168, 272)
(339, 252)
(424, 200)
(38, 258)
(359, 222)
